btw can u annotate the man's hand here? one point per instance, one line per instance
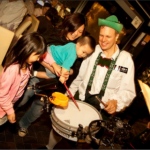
(111, 106)
(12, 118)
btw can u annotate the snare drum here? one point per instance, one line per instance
(66, 121)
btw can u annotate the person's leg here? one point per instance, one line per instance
(33, 113)
(29, 92)
(54, 138)
(3, 120)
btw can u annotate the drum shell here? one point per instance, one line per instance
(66, 126)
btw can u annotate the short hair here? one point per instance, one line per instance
(36, 5)
(87, 39)
(53, 15)
(47, 5)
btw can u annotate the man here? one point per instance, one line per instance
(108, 74)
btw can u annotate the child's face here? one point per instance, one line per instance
(83, 50)
(32, 58)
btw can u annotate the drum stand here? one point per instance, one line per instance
(45, 99)
(46, 88)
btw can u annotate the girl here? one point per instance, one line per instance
(16, 72)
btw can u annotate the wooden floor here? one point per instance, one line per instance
(38, 134)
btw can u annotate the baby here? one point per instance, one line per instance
(65, 56)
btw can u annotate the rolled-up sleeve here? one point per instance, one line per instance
(126, 92)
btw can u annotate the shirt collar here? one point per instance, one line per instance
(114, 56)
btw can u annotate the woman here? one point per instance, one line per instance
(72, 28)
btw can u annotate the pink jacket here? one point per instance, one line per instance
(9, 84)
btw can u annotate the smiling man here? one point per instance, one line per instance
(108, 73)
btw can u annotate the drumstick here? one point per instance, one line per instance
(71, 96)
(105, 105)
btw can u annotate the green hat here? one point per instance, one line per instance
(112, 22)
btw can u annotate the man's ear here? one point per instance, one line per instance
(117, 36)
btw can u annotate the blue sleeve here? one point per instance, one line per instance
(71, 56)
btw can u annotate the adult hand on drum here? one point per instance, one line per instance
(111, 106)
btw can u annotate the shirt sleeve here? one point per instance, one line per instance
(68, 62)
(77, 81)
(126, 92)
(70, 55)
(6, 81)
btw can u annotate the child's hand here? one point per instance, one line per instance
(12, 118)
(65, 73)
(71, 72)
(57, 69)
(62, 79)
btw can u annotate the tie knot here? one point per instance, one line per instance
(104, 62)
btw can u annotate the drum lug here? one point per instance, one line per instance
(80, 134)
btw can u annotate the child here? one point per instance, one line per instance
(66, 55)
(16, 72)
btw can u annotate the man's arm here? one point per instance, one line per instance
(126, 93)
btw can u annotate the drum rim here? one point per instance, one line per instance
(72, 138)
(70, 126)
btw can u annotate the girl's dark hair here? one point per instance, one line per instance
(25, 46)
(87, 39)
(72, 22)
